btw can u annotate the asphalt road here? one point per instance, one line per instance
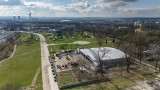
(47, 76)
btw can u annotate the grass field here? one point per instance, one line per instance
(39, 82)
(22, 66)
(65, 78)
(116, 82)
(75, 46)
(67, 39)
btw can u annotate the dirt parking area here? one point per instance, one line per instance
(63, 61)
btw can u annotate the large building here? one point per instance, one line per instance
(107, 55)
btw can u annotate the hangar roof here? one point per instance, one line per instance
(103, 53)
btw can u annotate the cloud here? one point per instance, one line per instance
(78, 6)
(10, 2)
(12, 10)
(36, 4)
(140, 12)
(77, 0)
(75, 8)
(113, 3)
(108, 1)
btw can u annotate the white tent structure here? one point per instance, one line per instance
(106, 55)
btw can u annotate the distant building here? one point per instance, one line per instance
(65, 21)
(14, 17)
(139, 30)
(123, 28)
(137, 24)
(19, 17)
(107, 55)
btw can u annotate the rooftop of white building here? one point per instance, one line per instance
(104, 53)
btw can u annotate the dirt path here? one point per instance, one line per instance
(36, 76)
(10, 56)
(27, 52)
(146, 85)
(153, 84)
(15, 46)
(32, 86)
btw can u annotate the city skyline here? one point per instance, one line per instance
(81, 8)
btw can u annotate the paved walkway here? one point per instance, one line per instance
(47, 76)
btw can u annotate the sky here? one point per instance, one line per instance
(81, 8)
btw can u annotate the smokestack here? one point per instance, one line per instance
(30, 15)
(14, 17)
(19, 17)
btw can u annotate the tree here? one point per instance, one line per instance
(88, 74)
(100, 39)
(156, 52)
(140, 43)
(99, 55)
(128, 49)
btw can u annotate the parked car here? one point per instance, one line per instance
(52, 70)
(51, 63)
(149, 59)
(55, 79)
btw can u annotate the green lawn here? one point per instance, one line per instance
(116, 84)
(67, 39)
(117, 81)
(120, 82)
(22, 66)
(75, 46)
(39, 82)
(65, 78)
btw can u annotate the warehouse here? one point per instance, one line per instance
(107, 55)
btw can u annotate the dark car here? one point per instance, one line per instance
(52, 70)
(55, 79)
(150, 59)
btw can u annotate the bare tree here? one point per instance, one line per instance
(156, 52)
(100, 39)
(128, 49)
(99, 55)
(140, 42)
(89, 74)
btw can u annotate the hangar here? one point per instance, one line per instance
(106, 55)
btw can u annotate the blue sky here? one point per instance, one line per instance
(81, 8)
